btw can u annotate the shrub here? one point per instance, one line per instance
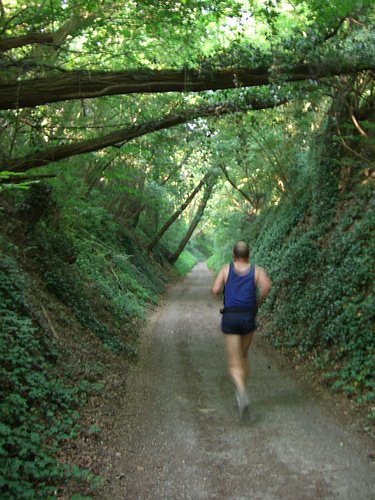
(185, 262)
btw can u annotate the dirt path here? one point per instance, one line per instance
(178, 434)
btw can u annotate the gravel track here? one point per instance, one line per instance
(177, 434)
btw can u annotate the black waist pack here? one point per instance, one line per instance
(236, 310)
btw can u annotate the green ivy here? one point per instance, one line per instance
(38, 409)
(322, 296)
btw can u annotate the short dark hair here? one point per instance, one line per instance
(241, 250)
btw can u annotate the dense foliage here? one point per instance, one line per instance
(38, 408)
(142, 134)
(88, 265)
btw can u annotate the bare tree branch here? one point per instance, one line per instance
(232, 183)
(75, 23)
(25, 178)
(334, 31)
(199, 214)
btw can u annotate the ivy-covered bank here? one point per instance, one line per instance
(321, 303)
(75, 287)
(38, 406)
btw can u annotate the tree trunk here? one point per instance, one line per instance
(57, 153)
(90, 84)
(177, 213)
(202, 205)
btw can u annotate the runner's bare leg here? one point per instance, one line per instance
(245, 345)
(236, 361)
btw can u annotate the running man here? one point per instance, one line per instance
(245, 288)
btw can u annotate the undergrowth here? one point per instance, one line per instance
(185, 262)
(92, 266)
(38, 409)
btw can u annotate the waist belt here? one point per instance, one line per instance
(237, 310)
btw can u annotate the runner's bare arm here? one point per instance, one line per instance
(220, 280)
(263, 284)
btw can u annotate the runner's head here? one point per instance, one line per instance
(241, 250)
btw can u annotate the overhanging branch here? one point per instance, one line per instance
(91, 84)
(20, 41)
(57, 153)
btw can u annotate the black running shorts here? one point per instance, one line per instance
(239, 323)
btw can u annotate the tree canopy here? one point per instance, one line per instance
(95, 77)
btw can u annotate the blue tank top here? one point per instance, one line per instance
(240, 290)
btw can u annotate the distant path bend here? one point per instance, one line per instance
(178, 434)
